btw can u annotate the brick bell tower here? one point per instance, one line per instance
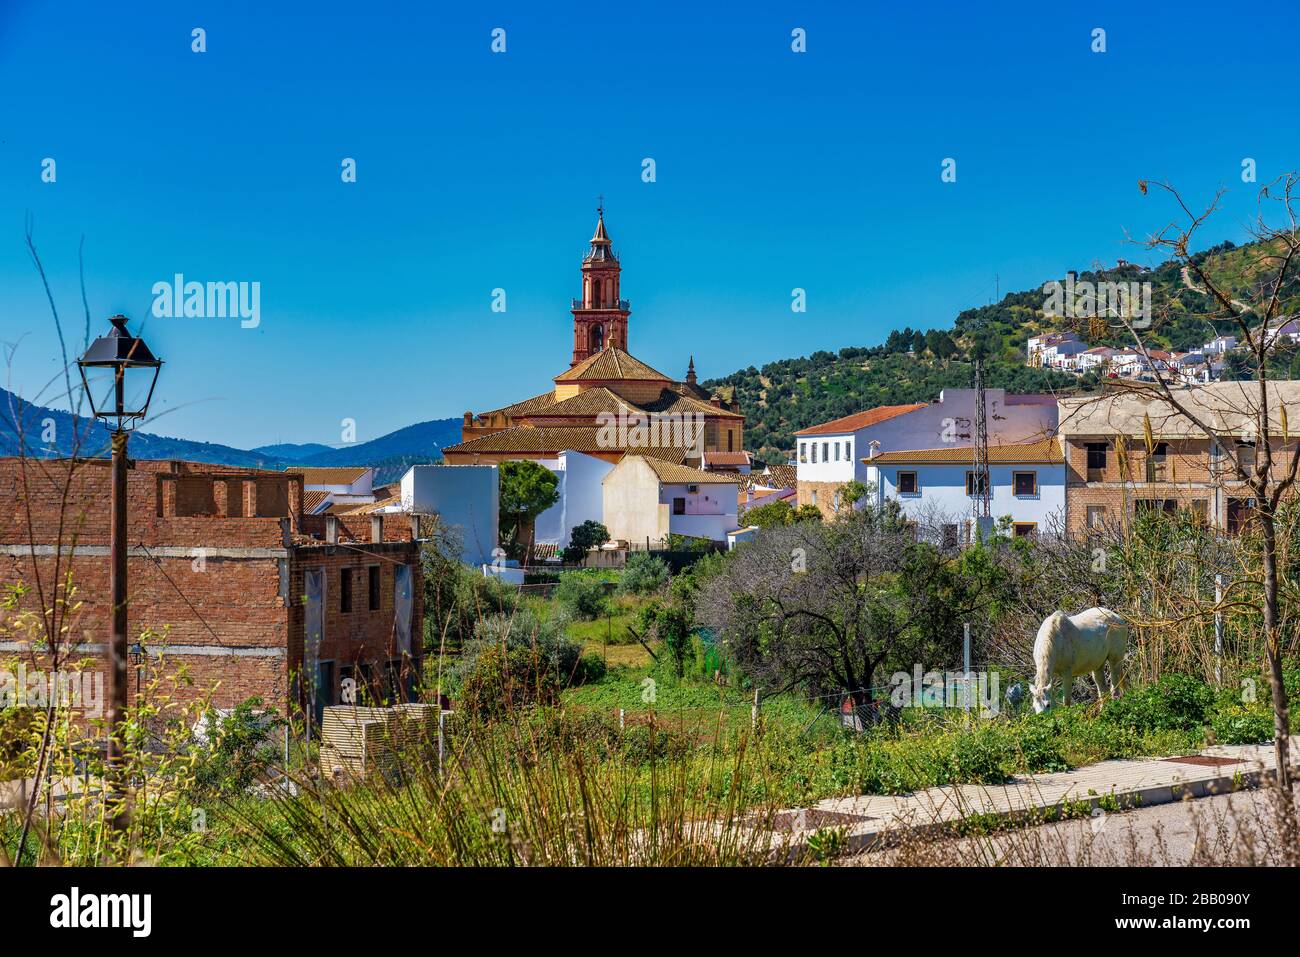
(600, 316)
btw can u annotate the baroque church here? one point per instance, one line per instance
(605, 382)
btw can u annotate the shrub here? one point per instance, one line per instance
(1174, 703)
(502, 679)
(583, 538)
(1240, 724)
(644, 574)
(1040, 749)
(979, 757)
(591, 668)
(582, 596)
(543, 642)
(240, 749)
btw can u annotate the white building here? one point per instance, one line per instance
(937, 488)
(831, 454)
(1052, 349)
(323, 487)
(582, 497)
(1219, 345)
(466, 498)
(647, 499)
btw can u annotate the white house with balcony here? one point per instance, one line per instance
(1053, 349)
(834, 453)
(939, 489)
(647, 499)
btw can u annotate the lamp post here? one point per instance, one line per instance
(112, 357)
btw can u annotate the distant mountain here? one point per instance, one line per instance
(424, 439)
(291, 452)
(45, 432)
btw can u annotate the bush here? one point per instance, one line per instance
(240, 749)
(543, 642)
(582, 596)
(501, 680)
(979, 757)
(1174, 703)
(583, 538)
(591, 668)
(644, 574)
(1239, 724)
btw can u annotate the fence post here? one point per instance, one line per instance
(1218, 630)
(620, 719)
(965, 662)
(753, 713)
(442, 719)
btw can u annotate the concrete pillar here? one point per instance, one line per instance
(332, 529)
(376, 528)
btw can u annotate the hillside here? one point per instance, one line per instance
(914, 366)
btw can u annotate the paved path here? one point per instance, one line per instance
(870, 820)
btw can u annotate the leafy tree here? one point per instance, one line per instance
(583, 539)
(643, 574)
(806, 513)
(851, 493)
(824, 607)
(527, 490)
(771, 515)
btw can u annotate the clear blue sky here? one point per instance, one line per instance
(477, 170)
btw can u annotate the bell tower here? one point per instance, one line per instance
(600, 316)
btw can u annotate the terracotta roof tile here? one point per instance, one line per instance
(553, 439)
(860, 420)
(611, 364)
(1042, 452)
(329, 476)
(684, 474)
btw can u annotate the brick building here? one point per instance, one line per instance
(1113, 473)
(222, 578)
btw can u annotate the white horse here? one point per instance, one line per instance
(1068, 646)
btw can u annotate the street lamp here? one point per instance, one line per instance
(113, 357)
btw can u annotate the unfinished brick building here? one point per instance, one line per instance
(222, 580)
(1113, 472)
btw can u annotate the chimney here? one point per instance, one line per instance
(332, 529)
(873, 447)
(376, 528)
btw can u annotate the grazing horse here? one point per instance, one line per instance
(1071, 645)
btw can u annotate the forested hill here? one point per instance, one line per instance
(914, 366)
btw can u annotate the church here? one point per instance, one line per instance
(605, 383)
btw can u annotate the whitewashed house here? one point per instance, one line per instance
(465, 498)
(647, 499)
(834, 453)
(1219, 345)
(938, 488)
(1053, 350)
(582, 497)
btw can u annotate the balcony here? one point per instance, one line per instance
(622, 305)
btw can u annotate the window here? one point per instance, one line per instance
(826, 451)
(837, 450)
(814, 453)
(1096, 461)
(347, 685)
(372, 583)
(1024, 483)
(692, 489)
(803, 452)
(1024, 529)
(345, 590)
(1157, 459)
(731, 441)
(814, 496)
(1246, 455)
(324, 688)
(1240, 512)
(950, 536)
(679, 506)
(975, 484)
(906, 483)
(1168, 506)
(366, 683)
(1097, 515)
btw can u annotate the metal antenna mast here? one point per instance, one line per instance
(981, 445)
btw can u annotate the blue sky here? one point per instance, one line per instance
(477, 170)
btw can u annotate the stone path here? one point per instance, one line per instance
(869, 819)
